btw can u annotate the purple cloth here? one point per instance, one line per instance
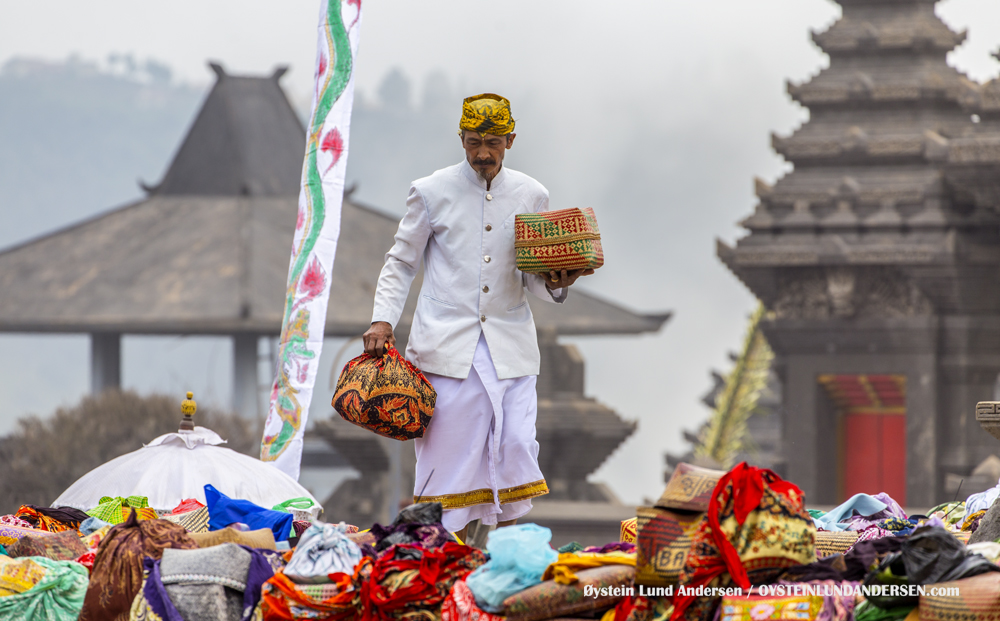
(618, 546)
(424, 535)
(156, 595)
(870, 533)
(892, 510)
(935, 521)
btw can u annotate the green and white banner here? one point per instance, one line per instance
(316, 233)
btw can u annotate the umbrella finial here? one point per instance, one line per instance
(188, 408)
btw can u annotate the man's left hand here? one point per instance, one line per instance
(558, 280)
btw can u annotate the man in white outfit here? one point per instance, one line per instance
(473, 334)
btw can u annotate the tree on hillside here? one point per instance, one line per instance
(45, 456)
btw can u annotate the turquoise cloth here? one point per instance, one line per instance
(862, 503)
(58, 596)
(518, 558)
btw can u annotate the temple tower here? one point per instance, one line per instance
(878, 258)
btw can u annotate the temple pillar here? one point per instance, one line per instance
(245, 399)
(105, 361)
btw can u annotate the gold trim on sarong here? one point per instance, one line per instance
(485, 496)
(523, 492)
(465, 499)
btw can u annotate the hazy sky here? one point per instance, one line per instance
(677, 95)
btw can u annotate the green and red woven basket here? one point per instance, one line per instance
(567, 239)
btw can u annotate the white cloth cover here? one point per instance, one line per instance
(323, 549)
(445, 226)
(176, 466)
(316, 233)
(982, 500)
(481, 446)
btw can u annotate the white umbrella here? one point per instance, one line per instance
(177, 466)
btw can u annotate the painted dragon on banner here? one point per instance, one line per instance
(316, 232)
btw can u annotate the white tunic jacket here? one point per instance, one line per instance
(465, 236)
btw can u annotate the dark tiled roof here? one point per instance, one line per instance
(245, 141)
(218, 265)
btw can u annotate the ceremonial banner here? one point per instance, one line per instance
(316, 233)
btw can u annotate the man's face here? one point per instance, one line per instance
(485, 153)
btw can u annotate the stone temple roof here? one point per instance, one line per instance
(897, 167)
(207, 251)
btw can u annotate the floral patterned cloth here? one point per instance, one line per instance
(756, 526)
(13, 520)
(64, 546)
(460, 605)
(387, 395)
(759, 608)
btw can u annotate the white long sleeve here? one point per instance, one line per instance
(463, 234)
(402, 262)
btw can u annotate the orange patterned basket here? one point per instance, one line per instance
(387, 395)
(567, 239)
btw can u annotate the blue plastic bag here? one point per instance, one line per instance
(518, 558)
(223, 511)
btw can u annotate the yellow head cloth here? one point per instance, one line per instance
(487, 114)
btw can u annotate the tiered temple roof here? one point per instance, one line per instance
(880, 251)
(871, 184)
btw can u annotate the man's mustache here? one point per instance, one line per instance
(485, 162)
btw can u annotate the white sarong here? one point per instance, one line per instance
(481, 446)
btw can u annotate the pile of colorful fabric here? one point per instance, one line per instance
(751, 551)
(119, 560)
(718, 546)
(405, 571)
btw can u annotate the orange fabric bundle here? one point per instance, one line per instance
(45, 522)
(339, 600)
(387, 395)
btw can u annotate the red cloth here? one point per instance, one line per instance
(460, 605)
(748, 488)
(87, 560)
(402, 584)
(188, 504)
(743, 487)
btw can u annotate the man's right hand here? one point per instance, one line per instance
(377, 337)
